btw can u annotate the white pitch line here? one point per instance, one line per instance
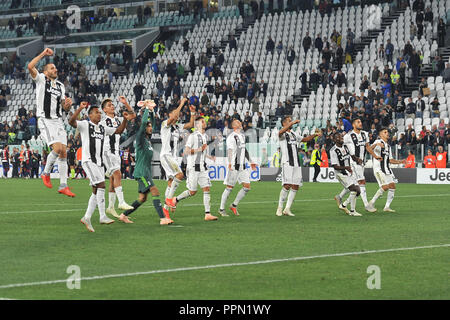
(238, 264)
(214, 204)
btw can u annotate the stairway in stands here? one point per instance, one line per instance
(359, 47)
(425, 72)
(247, 22)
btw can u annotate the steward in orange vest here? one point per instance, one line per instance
(411, 160)
(441, 158)
(429, 161)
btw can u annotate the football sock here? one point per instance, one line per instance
(173, 188)
(343, 193)
(112, 200)
(283, 196)
(101, 202)
(352, 198)
(291, 198)
(136, 204)
(225, 195)
(119, 193)
(377, 195)
(241, 194)
(362, 187)
(166, 196)
(390, 197)
(347, 201)
(158, 207)
(206, 201)
(92, 204)
(62, 168)
(185, 194)
(72, 173)
(51, 158)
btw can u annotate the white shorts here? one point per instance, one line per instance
(384, 179)
(170, 165)
(239, 176)
(195, 178)
(346, 180)
(358, 171)
(52, 131)
(95, 173)
(291, 175)
(112, 162)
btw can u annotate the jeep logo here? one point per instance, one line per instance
(97, 135)
(440, 176)
(328, 175)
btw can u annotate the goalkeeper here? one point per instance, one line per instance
(143, 171)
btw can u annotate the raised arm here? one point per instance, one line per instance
(176, 113)
(73, 119)
(190, 125)
(124, 101)
(126, 117)
(309, 138)
(34, 62)
(287, 127)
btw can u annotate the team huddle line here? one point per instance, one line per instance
(100, 149)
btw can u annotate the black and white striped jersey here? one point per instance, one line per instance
(356, 143)
(385, 152)
(289, 148)
(170, 136)
(112, 142)
(340, 156)
(197, 160)
(49, 94)
(92, 140)
(236, 143)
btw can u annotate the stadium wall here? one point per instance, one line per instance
(218, 171)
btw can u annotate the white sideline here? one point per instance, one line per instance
(238, 264)
(201, 204)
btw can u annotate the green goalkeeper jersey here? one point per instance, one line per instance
(143, 148)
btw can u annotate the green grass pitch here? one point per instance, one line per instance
(41, 235)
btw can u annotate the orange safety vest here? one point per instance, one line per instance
(441, 160)
(429, 162)
(79, 155)
(324, 158)
(21, 157)
(411, 161)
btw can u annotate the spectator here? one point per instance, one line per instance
(270, 45)
(441, 32)
(400, 108)
(318, 43)
(233, 43)
(349, 50)
(435, 108)
(279, 48)
(389, 50)
(306, 42)
(410, 109)
(279, 111)
(138, 91)
(446, 73)
(291, 55)
(420, 106)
